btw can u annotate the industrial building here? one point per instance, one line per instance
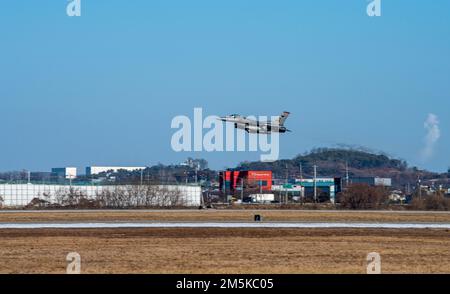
(254, 182)
(330, 186)
(305, 188)
(41, 176)
(292, 189)
(19, 195)
(95, 170)
(372, 181)
(231, 181)
(64, 172)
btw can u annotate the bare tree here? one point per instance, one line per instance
(363, 196)
(436, 201)
(70, 197)
(140, 196)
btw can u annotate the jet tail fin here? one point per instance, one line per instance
(282, 118)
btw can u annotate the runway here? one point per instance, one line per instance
(287, 225)
(65, 211)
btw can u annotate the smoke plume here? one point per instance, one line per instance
(431, 125)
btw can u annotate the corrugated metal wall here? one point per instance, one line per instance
(22, 194)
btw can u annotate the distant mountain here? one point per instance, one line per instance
(332, 162)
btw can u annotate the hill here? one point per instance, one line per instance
(332, 162)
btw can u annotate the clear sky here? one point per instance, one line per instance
(102, 88)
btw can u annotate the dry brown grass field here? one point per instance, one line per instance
(224, 250)
(224, 215)
(227, 250)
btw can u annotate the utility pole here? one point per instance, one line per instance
(302, 195)
(223, 176)
(419, 185)
(301, 171)
(196, 172)
(287, 179)
(315, 183)
(347, 178)
(242, 190)
(142, 176)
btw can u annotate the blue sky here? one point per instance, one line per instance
(102, 89)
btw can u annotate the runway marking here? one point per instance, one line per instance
(222, 225)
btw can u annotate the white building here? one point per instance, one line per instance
(17, 195)
(262, 198)
(65, 172)
(95, 170)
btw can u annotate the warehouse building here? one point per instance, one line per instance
(325, 187)
(231, 181)
(64, 172)
(19, 195)
(373, 181)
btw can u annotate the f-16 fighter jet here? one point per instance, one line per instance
(258, 127)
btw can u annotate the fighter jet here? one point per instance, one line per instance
(256, 126)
